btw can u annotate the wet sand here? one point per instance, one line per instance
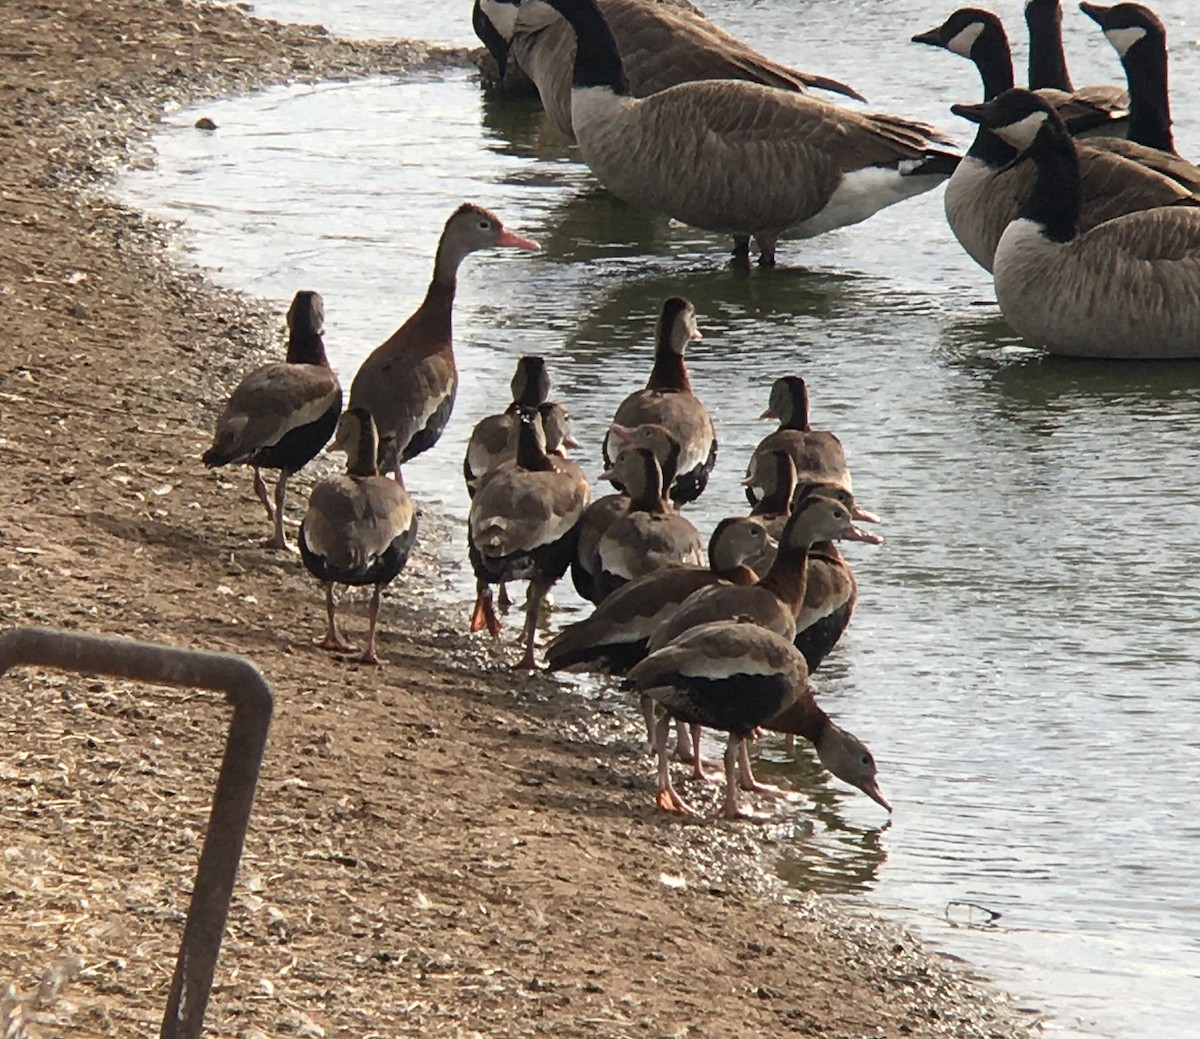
(439, 846)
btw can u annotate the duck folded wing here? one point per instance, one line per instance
(404, 397)
(518, 511)
(268, 404)
(351, 523)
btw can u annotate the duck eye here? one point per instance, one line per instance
(484, 225)
(868, 760)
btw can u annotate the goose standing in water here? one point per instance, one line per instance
(668, 401)
(736, 676)
(409, 382)
(524, 525)
(1140, 40)
(1125, 289)
(740, 158)
(282, 414)
(661, 45)
(986, 191)
(359, 528)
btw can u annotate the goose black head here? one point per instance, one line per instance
(1016, 117)
(1125, 25)
(961, 32)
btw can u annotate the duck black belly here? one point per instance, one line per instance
(425, 438)
(816, 641)
(690, 485)
(546, 562)
(735, 704)
(301, 445)
(378, 571)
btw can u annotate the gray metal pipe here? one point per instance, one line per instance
(248, 692)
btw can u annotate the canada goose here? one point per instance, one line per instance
(359, 528)
(524, 525)
(736, 157)
(601, 513)
(817, 454)
(1140, 40)
(985, 193)
(667, 400)
(1125, 289)
(408, 383)
(614, 637)
(282, 414)
(661, 44)
(777, 600)
(490, 442)
(736, 676)
(1048, 69)
(649, 535)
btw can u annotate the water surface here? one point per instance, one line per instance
(1023, 660)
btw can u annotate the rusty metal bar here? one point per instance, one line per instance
(248, 692)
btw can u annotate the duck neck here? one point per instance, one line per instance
(739, 575)
(1055, 202)
(362, 454)
(1047, 62)
(491, 37)
(669, 371)
(531, 451)
(798, 417)
(787, 579)
(597, 58)
(1149, 94)
(647, 494)
(436, 314)
(306, 347)
(993, 60)
(803, 717)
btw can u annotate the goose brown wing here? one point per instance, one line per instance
(1167, 163)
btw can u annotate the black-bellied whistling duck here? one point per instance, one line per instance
(736, 676)
(600, 515)
(650, 534)
(490, 442)
(614, 637)
(668, 401)
(282, 414)
(778, 598)
(524, 525)
(408, 383)
(818, 455)
(359, 528)
(831, 591)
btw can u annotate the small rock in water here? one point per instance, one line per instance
(204, 123)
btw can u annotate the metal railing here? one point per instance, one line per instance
(247, 691)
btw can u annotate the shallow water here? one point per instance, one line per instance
(1023, 660)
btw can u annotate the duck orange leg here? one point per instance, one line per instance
(484, 614)
(667, 798)
(368, 655)
(333, 638)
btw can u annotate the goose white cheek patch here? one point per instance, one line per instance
(1021, 133)
(1123, 39)
(965, 39)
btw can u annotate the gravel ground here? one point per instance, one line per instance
(440, 847)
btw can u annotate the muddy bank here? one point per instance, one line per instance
(439, 846)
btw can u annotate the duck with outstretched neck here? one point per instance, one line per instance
(408, 383)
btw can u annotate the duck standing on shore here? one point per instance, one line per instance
(409, 382)
(282, 414)
(524, 525)
(359, 528)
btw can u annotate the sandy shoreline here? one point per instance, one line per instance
(439, 847)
